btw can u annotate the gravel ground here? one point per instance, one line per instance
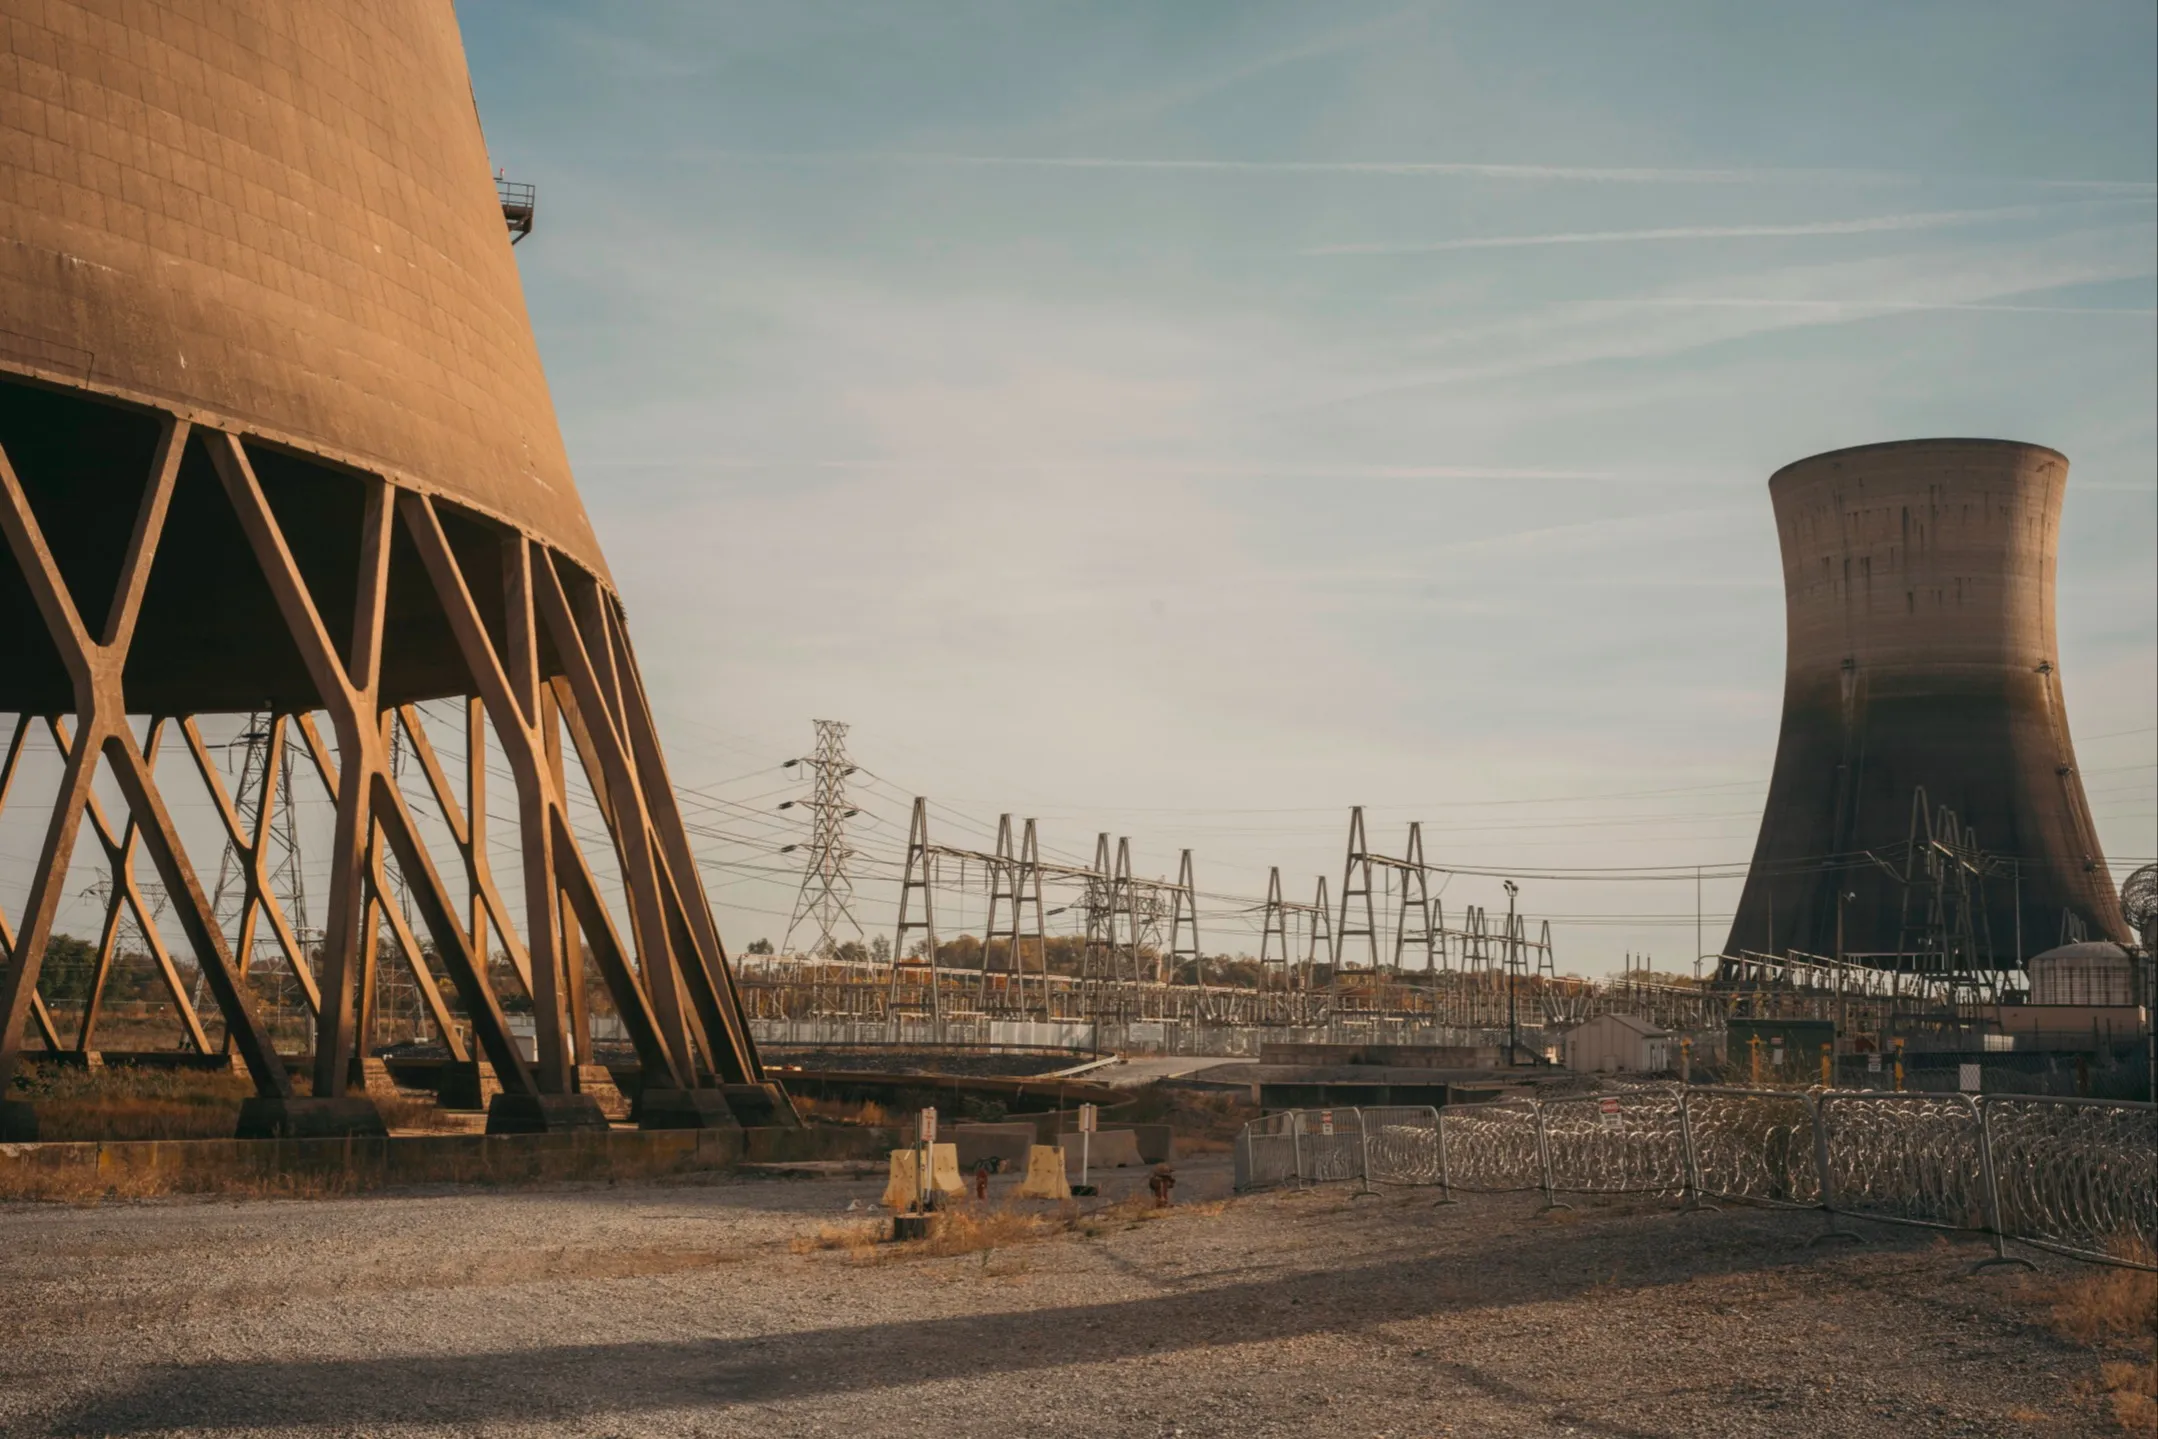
(681, 1310)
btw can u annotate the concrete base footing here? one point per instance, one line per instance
(18, 1122)
(466, 1084)
(760, 1106)
(306, 1118)
(544, 1114)
(685, 1109)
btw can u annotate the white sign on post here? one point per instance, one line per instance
(1326, 1121)
(1967, 1078)
(1873, 1062)
(1086, 1119)
(929, 1126)
(1608, 1112)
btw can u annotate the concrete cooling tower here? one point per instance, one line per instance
(275, 441)
(1922, 676)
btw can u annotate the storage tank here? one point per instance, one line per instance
(1920, 655)
(275, 438)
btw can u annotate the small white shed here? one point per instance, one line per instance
(1619, 1044)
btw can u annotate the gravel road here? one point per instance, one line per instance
(682, 1310)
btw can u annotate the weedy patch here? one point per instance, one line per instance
(967, 1229)
(2115, 1311)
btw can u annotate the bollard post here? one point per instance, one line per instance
(1296, 1143)
(1543, 1160)
(1828, 1066)
(1753, 1047)
(1899, 1065)
(1827, 1180)
(2000, 1258)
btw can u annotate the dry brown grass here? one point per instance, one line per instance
(866, 1112)
(971, 1229)
(125, 1104)
(83, 1185)
(404, 1110)
(2115, 1311)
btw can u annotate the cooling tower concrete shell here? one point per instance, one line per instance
(280, 218)
(275, 440)
(1920, 652)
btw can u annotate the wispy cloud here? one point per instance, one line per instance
(1470, 169)
(1463, 169)
(1862, 225)
(1866, 306)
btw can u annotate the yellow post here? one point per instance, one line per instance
(1899, 1065)
(1828, 1066)
(1753, 1044)
(1685, 1061)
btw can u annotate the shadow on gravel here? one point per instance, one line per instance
(568, 1382)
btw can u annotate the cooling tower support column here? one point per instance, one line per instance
(1920, 656)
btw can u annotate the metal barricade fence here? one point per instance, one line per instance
(1402, 1143)
(1904, 1158)
(1330, 1146)
(1624, 1143)
(1754, 1146)
(1265, 1152)
(2077, 1177)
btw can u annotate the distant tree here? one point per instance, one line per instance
(65, 975)
(761, 946)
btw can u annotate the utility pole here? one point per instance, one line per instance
(1513, 970)
(826, 897)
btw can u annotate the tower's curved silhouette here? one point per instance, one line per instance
(1920, 656)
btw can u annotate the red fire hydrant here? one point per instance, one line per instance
(1163, 1181)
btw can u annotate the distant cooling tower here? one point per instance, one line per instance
(1918, 580)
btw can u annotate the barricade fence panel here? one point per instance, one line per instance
(2077, 1177)
(1623, 1143)
(1329, 1145)
(1403, 1145)
(1754, 1145)
(1905, 1158)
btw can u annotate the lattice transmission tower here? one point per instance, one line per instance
(826, 898)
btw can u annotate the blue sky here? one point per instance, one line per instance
(1190, 420)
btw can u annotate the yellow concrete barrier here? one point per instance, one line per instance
(1045, 1174)
(904, 1187)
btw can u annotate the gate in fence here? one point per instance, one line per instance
(2074, 1176)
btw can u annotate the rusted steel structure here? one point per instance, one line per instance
(1925, 748)
(274, 436)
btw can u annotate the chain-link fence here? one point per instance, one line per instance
(2077, 1177)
